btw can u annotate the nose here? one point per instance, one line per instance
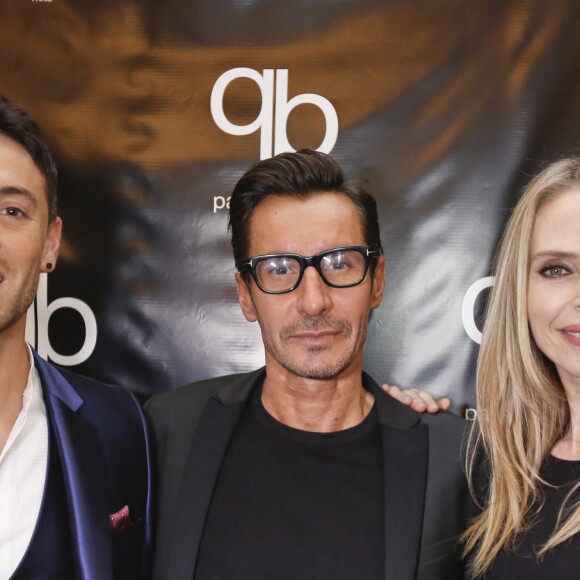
(314, 296)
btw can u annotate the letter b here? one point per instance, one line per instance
(44, 312)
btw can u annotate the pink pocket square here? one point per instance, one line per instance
(120, 520)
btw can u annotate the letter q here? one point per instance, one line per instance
(468, 307)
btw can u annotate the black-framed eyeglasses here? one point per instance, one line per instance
(338, 267)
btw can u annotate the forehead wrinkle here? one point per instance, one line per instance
(306, 226)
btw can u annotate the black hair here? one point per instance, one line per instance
(300, 174)
(18, 126)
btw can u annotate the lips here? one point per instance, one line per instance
(316, 328)
(572, 329)
(315, 335)
(315, 339)
(571, 334)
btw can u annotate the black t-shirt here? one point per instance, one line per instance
(292, 504)
(560, 563)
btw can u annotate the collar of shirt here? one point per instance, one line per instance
(32, 403)
(23, 465)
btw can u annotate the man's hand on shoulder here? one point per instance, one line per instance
(420, 401)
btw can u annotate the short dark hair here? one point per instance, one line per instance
(300, 174)
(18, 126)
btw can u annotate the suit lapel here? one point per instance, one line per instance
(405, 456)
(405, 465)
(83, 474)
(209, 444)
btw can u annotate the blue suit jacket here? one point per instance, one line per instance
(102, 439)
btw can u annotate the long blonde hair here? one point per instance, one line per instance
(522, 409)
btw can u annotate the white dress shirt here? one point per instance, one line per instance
(23, 465)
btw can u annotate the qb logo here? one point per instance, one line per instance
(273, 87)
(37, 330)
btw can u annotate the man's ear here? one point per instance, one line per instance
(379, 283)
(245, 299)
(51, 245)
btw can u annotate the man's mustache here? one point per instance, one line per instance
(316, 323)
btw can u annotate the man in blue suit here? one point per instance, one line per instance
(75, 479)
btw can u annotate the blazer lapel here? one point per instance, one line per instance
(405, 465)
(208, 447)
(82, 472)
(405, 456)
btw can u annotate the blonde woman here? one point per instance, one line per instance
(528, 389)
(528, 392)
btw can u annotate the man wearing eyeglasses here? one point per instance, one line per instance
(305, 469)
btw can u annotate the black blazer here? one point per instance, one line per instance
(426, 495)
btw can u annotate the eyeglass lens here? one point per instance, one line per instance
(340, 268)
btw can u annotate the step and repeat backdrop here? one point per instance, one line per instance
(444, 109)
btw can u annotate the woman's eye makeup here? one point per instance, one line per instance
(554, 271)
